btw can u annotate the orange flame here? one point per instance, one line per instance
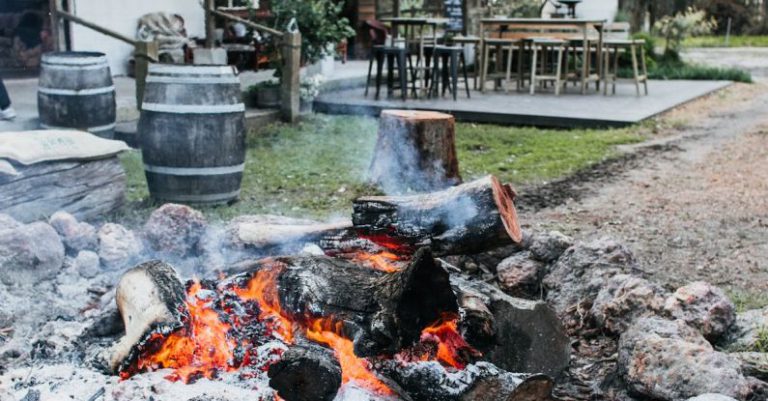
(450, 343)
(325, 331)
(383, 261)
(202, 348)
(262, 288)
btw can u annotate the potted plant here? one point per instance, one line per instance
(265, 94)
(309, 89)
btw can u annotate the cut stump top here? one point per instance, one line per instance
(416, 115)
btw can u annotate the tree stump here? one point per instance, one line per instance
(415, 151)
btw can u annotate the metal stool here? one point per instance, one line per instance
(452, 57)
(391, 54)
(543, 45)
(473, 41)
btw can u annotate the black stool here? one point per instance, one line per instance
(452, 57)
(391, 54)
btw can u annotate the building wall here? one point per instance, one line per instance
(122, 16)
(600, 9)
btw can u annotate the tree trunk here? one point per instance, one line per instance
(306, 372)
(469, 218)
(85, 189)
(415, 151)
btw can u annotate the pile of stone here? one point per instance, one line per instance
(656, 344)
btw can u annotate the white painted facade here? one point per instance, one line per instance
(122, 16)
(597, 9)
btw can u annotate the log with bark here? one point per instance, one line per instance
(87, 189)
(415, 151)
(468, 218)
(150, 298)
(306, 372)
(381, 312)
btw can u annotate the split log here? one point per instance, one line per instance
(272, 235)
(469, 218)
(528, 337)
(415, 151)
(482, 381)
(381, 312)
(150, 298)
(85, 189)
(306, 372)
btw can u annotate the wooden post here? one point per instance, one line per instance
(144, 53)
(289, 91)
(57, 27)
(210, 25)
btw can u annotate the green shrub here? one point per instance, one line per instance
(675, 29)
(666, 71)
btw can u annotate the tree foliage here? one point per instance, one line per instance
(676, 28)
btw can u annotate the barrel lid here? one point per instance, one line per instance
(74, 58)
(191, 69)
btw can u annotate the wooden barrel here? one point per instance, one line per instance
(192, 130)
(76, 91)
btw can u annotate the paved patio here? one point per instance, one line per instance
(543, 109)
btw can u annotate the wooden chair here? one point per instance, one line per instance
(499, 48)
(539, 70)
(618, 41)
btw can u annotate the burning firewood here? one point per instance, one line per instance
(381, 312)
(415, 151)
(150, 298)
(468, 218)
(306, 372)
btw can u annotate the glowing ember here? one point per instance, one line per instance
(201, 348)
(382, 261)
(325, 331)
(451, 346)
(262, 288)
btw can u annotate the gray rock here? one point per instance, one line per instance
(623, 300)
(118, 246)
(76, 236)
(29, 254)
(549, 246)
(669, 360)
(8, 222)
(579, 274)
(703, 306)
(745, 332)
(175, 230)
(87, 264)
(519, 275)
(711, 397)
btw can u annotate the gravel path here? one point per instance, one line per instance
(696, 210)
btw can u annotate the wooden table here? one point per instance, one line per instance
(560, 28)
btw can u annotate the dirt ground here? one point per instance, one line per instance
(692, 204)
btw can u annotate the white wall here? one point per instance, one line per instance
(600, 9)
(122, 16)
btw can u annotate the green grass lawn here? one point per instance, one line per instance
(316, 168)
(734, 41)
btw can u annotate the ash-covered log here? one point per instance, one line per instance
(468, 218)
(306, 372)
(482, 381)
(381, 312)
(150, 298)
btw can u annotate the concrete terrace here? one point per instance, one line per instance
(543, 109)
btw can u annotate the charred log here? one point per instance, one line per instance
(306, 372)
(415, 151)
(381, 312)
(528, 336)
(150, 298)
(469, 218)
(429, 381)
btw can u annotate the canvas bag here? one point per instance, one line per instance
(30, 147)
